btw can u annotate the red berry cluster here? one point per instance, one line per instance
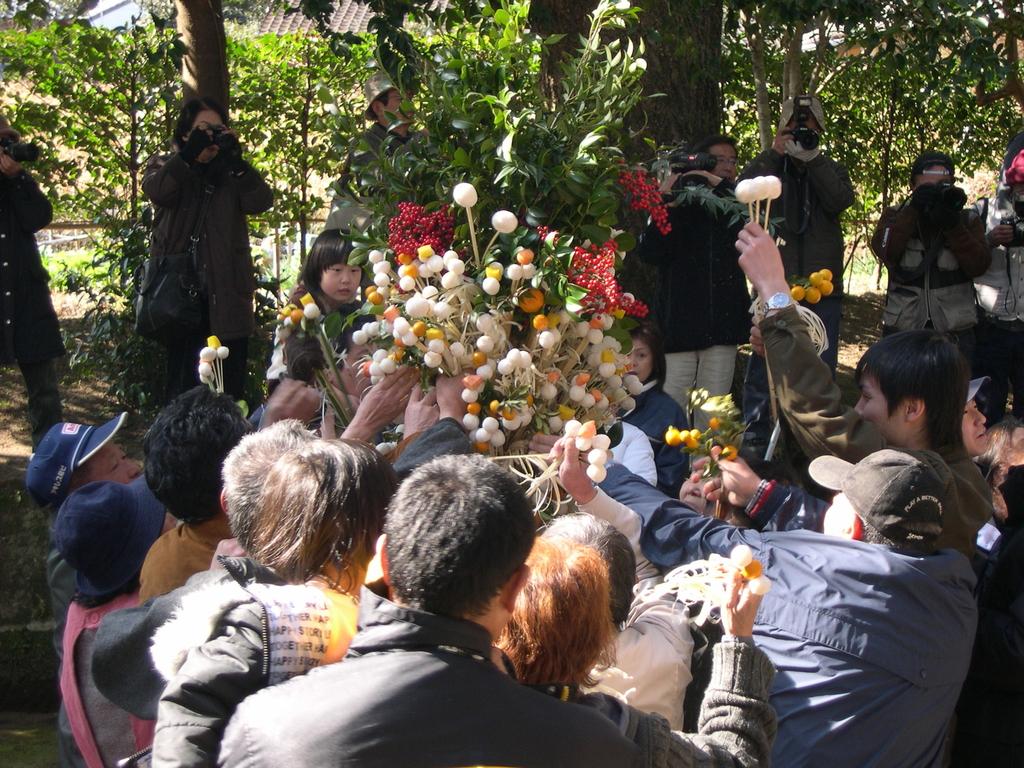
(593, 268)
(413, 227)
(643, 195)
(543, 232)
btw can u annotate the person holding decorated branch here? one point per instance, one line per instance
(852, 660)
(932, 248)
(29, 334)
(815, 192)
(702, 300)
(205, 189)
(556, 657)
(913, 392)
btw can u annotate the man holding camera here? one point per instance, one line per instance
(29, 334)
(933, 248)
(815, 191)
(1000, 333)
(702, 300)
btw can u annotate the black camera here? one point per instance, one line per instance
(803, 135)
(684, 162)
(230, 150)
(19, 151)
(1018, 230)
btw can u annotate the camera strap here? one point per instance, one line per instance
(193, 240)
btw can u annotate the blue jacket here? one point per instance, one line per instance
(871, 645)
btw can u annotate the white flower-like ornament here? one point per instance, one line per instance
(465, 194)
(504, 222)
(593, 444)
(752, 192)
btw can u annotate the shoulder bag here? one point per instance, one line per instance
(168, 294)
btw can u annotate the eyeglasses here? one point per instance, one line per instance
(725, 160)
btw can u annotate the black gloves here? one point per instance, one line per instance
(197, 141)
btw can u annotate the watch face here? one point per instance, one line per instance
(779, 300)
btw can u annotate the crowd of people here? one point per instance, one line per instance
(269, 590)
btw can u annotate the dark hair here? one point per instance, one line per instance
(922, 364)
(708, 142)
(304, 357)
(185, 448)
(331, 247)
(614, 549)
(457, 530)
(187, 116)
(648, 333)
(322, 505)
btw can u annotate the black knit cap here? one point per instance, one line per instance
(927, 159)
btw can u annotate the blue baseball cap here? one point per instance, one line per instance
(64, 449)
(104, 530)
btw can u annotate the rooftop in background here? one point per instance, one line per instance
(113, 13)
(348, 16)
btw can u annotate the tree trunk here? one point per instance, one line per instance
(684, 57)
(792, 73)
(755, 39)
(204, 67)
(683, 40)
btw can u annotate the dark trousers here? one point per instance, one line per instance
(756, 405)
(44, 408)
(999, 354)
(183, 365)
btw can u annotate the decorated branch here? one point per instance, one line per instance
(307, 320)
(724, 432)
(533, 323)
(702, 581)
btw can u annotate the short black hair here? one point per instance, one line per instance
(923, 364)
(708, 142)
(649, 334)
(614, 549)
(457, 530)
(185, 448)
(188, 113)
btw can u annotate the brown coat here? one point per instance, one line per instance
(176, 191)
(180, 553)
(823, 425)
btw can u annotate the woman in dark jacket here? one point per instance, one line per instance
(702, 305)
(655, 411)
(208, 159)
(29, 334)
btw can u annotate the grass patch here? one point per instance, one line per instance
(28, 740)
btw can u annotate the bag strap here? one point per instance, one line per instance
(193, 240)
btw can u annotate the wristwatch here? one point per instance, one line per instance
(778, 301)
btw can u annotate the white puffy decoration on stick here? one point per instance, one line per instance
(745, 194)
(773, 189)
(464, 194)
(504, 222)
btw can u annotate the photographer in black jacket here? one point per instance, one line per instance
(702, 300)
(29, 334)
